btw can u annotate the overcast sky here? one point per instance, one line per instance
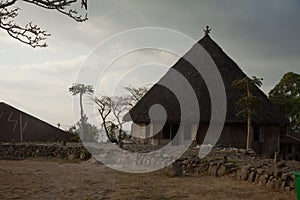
(261, 36)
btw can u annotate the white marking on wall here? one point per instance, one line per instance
(1, 114)
(22, 128)
(13, 121)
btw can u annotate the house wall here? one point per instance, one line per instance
(290, 151)
(138, 132)
(235, 135)
(269, 141)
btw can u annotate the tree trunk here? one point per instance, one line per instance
(249, 131)
(81, 117)
(249, 120)
(120, 140)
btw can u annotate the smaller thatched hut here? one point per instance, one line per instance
(267, 125)
(18, 126)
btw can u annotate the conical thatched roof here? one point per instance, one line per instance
(229, 70)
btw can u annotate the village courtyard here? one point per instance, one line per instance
(58, 179)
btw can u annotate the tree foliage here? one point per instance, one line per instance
(135, 94)
(32, 34)
(91, 133)
(112, 110)
(248, 102)
(286, 94)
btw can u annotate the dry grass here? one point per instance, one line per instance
(32, 179)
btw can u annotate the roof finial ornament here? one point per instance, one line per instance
(207, 30)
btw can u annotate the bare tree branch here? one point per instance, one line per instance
(4, 4)
(32, 34)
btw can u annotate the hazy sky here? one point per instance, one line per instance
(261, 36)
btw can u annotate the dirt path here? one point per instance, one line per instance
(28, 179)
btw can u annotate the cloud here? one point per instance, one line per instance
(261, 36)
(56, 67)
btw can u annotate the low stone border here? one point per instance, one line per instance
(74, 152)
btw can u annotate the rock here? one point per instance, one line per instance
(221, 170)
(287, 189)
(260, 171)
(269, 171)
(292, 184)
(281, 164)
(213, 170)
(283, 184)
(256, 181)
(250, 152)
(270, 182)
(277, 184)
(244, 172)
(278, 172)
(174, 170)
(284, 176)
(251, 177)
(71, 157)
(263, 180)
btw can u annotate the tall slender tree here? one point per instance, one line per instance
(81, 89)
(248, 102)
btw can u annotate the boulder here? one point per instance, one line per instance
(260, 171)
(284, 176)
(214, 170)
(221, 170)
(263, 179)
(281, 164)
(251, 177)
(244, 172)
(174, 170)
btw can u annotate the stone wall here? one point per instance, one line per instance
(71, 151)
(279, 178)
(236, 163)
(243, 166)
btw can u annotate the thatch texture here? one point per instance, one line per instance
(14, 123)
(229, 70)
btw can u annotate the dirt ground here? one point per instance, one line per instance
(55, 179)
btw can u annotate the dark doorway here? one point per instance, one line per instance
(169, 133)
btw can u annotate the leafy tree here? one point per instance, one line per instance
(248, 102)
(81, 89)
(286, 94)
(91, 132)
(32, 34)
(75, 134)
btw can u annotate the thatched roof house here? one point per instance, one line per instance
(266, 125)
(16, 125)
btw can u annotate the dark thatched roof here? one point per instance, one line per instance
(33, 129)
(229, 70)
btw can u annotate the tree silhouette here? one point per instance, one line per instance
(286, 94)
(31, 34)
(248, 102)
(81, 89)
